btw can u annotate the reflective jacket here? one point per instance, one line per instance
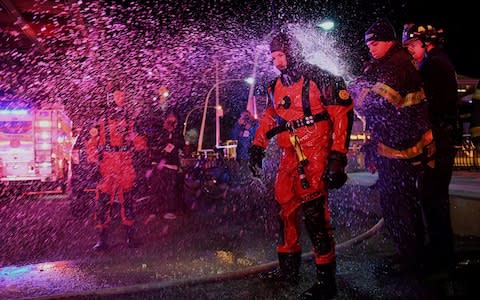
(391, 98)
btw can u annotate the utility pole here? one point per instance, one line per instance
(217, 104)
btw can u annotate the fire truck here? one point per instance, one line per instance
(35, 149)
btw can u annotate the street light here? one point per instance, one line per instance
(254, 71)
(326, 25)
(204, 117)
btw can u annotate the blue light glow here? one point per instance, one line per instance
(13, 272)
(18, 112)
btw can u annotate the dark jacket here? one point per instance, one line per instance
(440, 84)
(395, 108)
(167, 146)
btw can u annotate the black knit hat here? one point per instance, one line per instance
(381, 30)
(285, 43)
(280, 42)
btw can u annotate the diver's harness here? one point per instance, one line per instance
(291, 126)
(107, 147)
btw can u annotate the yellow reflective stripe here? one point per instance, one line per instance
(475, 131)
(395, 98)
(388, 93)
(408, 153)
(414, 98)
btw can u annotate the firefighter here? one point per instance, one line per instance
(310, 113)
(112, 147)
(425, 43)
(389, 95)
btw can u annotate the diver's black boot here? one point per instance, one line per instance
(325, 287)
(102, 240)
(287, 271)
(131, 242)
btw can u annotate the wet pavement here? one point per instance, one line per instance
(217, 251)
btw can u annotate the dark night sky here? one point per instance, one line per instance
(353, 17)
(457, 18)
(461, 26)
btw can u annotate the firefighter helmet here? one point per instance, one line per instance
(425, 33)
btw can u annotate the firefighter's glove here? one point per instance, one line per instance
(256, 155)
(335, 176)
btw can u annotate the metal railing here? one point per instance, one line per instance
(468, 156)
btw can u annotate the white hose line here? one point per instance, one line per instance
(136, 288)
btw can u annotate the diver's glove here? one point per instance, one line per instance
(335, 175)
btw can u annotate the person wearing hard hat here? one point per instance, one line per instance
(424, 42)
(390, 97)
